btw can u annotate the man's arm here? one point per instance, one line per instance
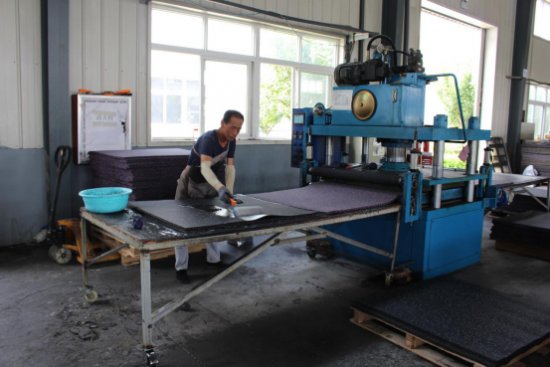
(208, 174)
(230, 174)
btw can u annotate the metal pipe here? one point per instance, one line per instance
(107, 253)
(352, 242)
(471, 169)
(146, 317)
(172, 306)
(395, 240)
(437, 171)
(286, 241)
(84, 254)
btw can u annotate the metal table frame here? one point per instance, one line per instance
(277, 235)
(520, 183)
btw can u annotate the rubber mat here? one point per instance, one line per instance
(199, 213)
(481, 324)
(330, 197)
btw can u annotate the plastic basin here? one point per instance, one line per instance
(105, 199)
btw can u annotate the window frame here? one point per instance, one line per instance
(253, 62)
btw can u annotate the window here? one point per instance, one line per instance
(542, 14)
(451, 46)
(203, 64)
(538, 110)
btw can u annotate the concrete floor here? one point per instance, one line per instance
(280, 309)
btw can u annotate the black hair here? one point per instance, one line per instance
(232, 113)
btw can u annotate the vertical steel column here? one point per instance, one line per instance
(146, 322)
(471, 169)
(437, 171)
(525, 14)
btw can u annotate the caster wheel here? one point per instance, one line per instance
(91, 296)
(389, 279)
(152, 358)
(60, 255)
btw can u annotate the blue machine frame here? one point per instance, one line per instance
(441, 222)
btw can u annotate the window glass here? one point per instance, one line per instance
(175, 92)
(225, 88)
(177, 29)
(537, 119)
(203, 64)
(542, 14)
(541, 94)
(278, 45)
(319, 51)
(451, 46)
(231, 37)
(546, 130)
(275, 101)
(313, 89)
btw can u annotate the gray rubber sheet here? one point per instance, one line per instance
(201, 213)
(331, 197)
(489, 327)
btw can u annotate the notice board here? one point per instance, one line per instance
(100, 122)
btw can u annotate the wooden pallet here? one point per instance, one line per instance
(437, 355)
(100, 241)
(130, 256)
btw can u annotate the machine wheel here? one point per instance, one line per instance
(388, 279)
(91, 296)
(311, 252)
(60, 255)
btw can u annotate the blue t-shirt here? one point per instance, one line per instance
(208, 144)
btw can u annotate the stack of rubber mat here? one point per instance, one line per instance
(536, 153)
(531, 227)
(480, 324)
(151, 173)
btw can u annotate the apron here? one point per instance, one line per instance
(187, 188)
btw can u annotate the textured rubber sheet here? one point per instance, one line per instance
(200, 213)
(331, 197)
(481, 324)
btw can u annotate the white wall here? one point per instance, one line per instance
(21, 122)
(538, 60)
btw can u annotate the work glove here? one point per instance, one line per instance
(225, 195)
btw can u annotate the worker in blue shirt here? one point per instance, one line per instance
(210, 172)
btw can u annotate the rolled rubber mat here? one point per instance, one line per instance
(477, 323)
(330, 197)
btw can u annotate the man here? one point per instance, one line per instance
(210, 172)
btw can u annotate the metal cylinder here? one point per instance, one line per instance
(437, 171)
(396, 154)
(471, 169)
(329, 150)
(487, 156)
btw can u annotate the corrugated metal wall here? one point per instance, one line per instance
(21, 123)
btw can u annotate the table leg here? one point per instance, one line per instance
(146, 318)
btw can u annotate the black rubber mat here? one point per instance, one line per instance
(199, 213)
(481, 324)
(330, 197)
(532, 227)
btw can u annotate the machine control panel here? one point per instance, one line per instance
(301, 119)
